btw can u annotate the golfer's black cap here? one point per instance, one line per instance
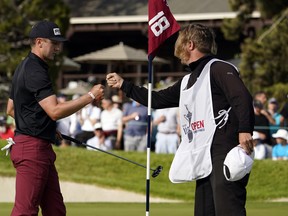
(46, 29)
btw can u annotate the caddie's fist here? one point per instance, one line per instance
(114, 80)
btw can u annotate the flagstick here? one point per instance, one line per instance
(150, 75)
(162, 25)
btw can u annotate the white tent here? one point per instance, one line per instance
(70, 65)
(120, 56)
(119, 52)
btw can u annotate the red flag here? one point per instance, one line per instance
(162, 25)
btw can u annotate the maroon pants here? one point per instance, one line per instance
(37, 182)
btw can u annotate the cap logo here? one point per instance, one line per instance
(56, 31)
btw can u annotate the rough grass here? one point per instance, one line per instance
(268, 180)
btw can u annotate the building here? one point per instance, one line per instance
(98, 24)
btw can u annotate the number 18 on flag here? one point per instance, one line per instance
(162, 25)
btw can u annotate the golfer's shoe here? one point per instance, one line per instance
(8, 146)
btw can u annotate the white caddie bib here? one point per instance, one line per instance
(192, 160)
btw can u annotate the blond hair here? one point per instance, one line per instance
(202, 37)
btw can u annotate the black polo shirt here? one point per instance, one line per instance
(31, 84)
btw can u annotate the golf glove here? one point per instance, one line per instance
(8, 146)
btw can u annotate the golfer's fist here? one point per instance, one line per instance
(114, 80)
(98, 92)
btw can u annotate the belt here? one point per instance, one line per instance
(110, 133)
(163, 132)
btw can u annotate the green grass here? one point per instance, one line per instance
(159, 209)
(269, 179)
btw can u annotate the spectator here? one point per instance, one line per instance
(280, 150)
(278, 118)
(75, 125)
(261, 96)
(262, 125)
(111, 120)
(90, 115)
(167, 138)
(99, 140)
(284, 112)
(117, 101)
(259, 148)
(135, 121)
(63, 124)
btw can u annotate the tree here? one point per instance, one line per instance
(16, 19)
(264, 64)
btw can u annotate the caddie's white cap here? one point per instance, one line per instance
(237, 164)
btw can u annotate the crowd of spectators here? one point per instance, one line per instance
(270, 131)
(121, 126)
(113, 125)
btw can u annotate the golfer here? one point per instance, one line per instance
(216, 114)
(34, 106)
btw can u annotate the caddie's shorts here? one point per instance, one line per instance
(37, 182)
